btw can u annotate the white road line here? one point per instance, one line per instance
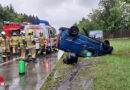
(9, 61)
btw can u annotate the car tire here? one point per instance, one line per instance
(73, 31)
(65, 59)
(106, 45)
(110, 50)
(70, 60)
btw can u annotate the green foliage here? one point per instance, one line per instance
(127, 1)
(112, 15)
(8, 14)
(114, 19)
(19, 18)
(1, 26)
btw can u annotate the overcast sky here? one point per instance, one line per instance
(58, 12)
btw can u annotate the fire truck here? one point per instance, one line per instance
(11, 27)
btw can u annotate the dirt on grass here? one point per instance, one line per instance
(68, 78)
(68, 81)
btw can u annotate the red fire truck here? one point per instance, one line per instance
(10, 28)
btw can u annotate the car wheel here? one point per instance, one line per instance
(65, 59)
(73, 31)
(70, 59)
(110, 50)
(106, 45)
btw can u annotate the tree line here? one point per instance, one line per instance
(9, 14)
(110, 16)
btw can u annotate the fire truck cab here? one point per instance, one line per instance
(10, 28)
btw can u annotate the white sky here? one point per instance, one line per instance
(58, 12)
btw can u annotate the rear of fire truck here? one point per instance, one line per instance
(11, 27)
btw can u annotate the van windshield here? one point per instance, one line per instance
(36, 33)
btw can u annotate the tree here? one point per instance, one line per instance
(125, 9)
(114, 19)
(8, 14)
(111, 15)
(11, 9)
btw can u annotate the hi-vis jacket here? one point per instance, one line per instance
(29, 40)
(5, 44)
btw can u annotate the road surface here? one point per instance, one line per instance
(34, 76)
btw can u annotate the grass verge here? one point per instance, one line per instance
(113, 72)
(56, 75)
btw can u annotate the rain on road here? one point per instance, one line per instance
(34, 77)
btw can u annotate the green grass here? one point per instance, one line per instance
(112, 72)
(121, 46)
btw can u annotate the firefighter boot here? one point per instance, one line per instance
(28, 58)
(4, 59)
(34, 60)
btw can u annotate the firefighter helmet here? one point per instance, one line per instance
(3, 33)
(30, 31)
(14, 34)
(22, 32)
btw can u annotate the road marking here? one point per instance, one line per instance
(9, 61)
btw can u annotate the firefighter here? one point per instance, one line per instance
(55, 43)
(42, 41)
(5, 46)
(14, 41)
(22, 45)
(37, 47)
(31, 46)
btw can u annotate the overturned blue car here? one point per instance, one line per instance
(69, 40)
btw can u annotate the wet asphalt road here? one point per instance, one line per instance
(34, 77)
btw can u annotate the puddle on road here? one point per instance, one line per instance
(34, 77)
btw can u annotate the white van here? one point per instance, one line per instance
(47, 31)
